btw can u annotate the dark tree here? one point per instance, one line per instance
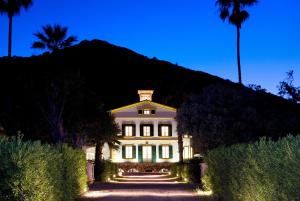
(234, 11)
(12, 8)
(53, 38)
(288, 90)
(225, 116)
(100, 130)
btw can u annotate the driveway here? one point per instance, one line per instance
(147, 187)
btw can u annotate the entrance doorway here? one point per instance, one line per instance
(147, 153)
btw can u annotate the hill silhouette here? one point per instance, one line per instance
(112, 75)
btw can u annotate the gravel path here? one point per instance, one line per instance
(142, 188)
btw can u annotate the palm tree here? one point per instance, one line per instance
(101, 130)
(53, 38)
(234, 11)
(12, 8)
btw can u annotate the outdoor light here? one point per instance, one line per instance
(114, 176)
(204, 193)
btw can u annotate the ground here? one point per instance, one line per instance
(143, 187)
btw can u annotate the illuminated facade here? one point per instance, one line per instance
(148, 133)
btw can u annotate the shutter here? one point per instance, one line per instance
(151, 130)
(153, 154)
(133, 151)
(123, 152)
(141, 130)
(160, 151)
(170, 151)
(123, 130)
(133, 130)
(140, 153)
(170, 130)
(159, 130)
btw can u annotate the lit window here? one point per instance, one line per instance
(146, 131)
(128, 130)
(146, 111)
(186, 152)
(165, 131)
(147, 153)
(165, 151)
(128, 151)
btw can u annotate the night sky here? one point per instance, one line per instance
(187, 32)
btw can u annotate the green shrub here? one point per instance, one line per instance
(262, 171)
(105, 171)
(31, 171)
(189, 170)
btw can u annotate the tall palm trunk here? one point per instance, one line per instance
(180, 147)
(10, 17)
(98, 162)
(238, 54)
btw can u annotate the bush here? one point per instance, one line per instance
(189, 170)
(105, 171)
(262, 171)
(32, 171)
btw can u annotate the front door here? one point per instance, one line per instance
(147, 153)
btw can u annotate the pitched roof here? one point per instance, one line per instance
(142, 103)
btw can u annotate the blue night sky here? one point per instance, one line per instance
(189, 33)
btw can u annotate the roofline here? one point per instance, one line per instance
(145, 101)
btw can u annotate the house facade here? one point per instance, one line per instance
(148, 133)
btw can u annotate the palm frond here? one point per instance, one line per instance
(38, 45)
(224, 13)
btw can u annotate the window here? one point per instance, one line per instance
(164, 130)
(186, 154)
(128, 151)
(147, 111)
(165, 151)
(128, 130)
(147, 153)
(146, 131)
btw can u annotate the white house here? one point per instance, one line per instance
(148, 133)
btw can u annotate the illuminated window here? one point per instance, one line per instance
(146, 131)
(186, 154)
(146, 111)
(128, 130)
(164, 130)
(147, 153)
(165, 151)
(128, 151)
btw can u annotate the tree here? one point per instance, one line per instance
(234, 11)
(53, 38)
(102, 129)
(288, 90)
(222, 116)
(12, 8)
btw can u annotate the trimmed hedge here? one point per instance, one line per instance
(107, 170)
(189, 170)
(262, 171)
(31, 171)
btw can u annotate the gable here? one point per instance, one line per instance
(133, 108)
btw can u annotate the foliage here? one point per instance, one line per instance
(53, 38)
(34, 171)
(261, 171)
(225, 116)
(189, 170)
(106, 171)
(13, 7)
(288, 90)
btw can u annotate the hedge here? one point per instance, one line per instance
(106, 171)
(31, 171)
(261, 171)
(188, 171)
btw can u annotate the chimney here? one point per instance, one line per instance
(145, 95)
